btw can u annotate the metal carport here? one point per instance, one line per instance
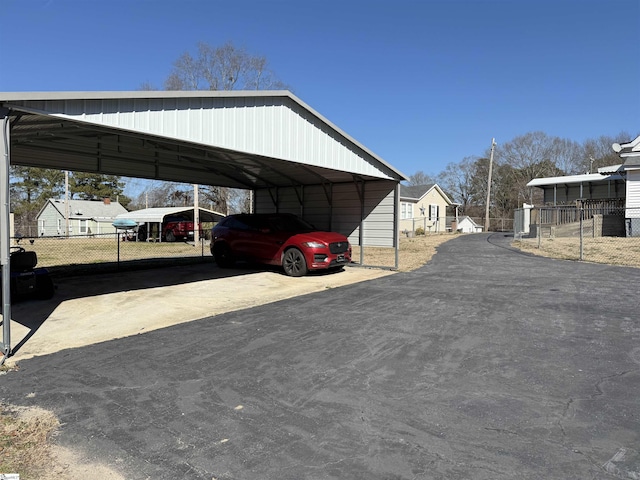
(268, 141)
(156, 215)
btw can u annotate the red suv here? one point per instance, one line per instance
(279, 239)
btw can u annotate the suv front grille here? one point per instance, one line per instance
(338, 247)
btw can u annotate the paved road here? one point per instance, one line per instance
(484, 364)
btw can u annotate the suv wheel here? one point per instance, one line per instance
(294, 263)
(222, 255)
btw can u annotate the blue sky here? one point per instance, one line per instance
(421, 83)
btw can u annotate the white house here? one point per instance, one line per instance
(86, 217)
(613, 189)
(630, 169)
(467, 225)
(423, 206)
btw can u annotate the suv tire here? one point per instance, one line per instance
(222, 255)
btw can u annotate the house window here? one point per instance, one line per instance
(434, 212)
(406, 210)
(42, 225)
(82, 226)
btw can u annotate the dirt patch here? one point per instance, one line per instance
(623, 251)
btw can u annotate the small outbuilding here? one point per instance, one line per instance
(566, 190)
(85, 217)
(467, 225)
(630, 169)
(152, 219)
(612, 192)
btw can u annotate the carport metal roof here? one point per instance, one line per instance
(574, 179)
(156, 215)
(250, 140)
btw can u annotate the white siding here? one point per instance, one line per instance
(48, 222)
(633, 194)
(345, 213)
(275, 127)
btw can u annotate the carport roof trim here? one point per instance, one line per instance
(573, 179)
(157, 214)
(7, 97)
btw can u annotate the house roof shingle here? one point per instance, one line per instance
(97, 210)
(415, 191)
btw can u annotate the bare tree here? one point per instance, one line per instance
(421, 178)
(217, 198)
(158, 194)
(532, 155)
(567, 155)
(226, 67)
(147, 87)
(457, 181)
(222, 68)
(598, 152)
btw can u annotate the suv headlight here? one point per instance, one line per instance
(314, 245)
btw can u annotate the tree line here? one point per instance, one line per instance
(515, 163)
(31, 187)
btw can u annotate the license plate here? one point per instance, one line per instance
(340, 258)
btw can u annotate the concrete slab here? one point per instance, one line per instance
(96, 308)
(487, 363)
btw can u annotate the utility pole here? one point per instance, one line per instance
(196, 215)
(486, 218)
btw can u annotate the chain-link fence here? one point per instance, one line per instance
(465, 224)
(108, 251)
(578, 233)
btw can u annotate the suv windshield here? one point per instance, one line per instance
(277, 223)
(290, 223)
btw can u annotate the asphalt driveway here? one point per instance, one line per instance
(485, 364)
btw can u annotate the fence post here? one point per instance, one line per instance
(118, 242)
(539, 229)
(581, 233)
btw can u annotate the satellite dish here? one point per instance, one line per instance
(616, 147)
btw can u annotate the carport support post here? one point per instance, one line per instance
(5, 160)
(581, 232)
(396, 224)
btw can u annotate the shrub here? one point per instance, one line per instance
(419, 231)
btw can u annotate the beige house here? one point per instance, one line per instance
(423, 206)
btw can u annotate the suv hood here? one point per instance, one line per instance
(327, 237)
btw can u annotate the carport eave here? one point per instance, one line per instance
(37, 130)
